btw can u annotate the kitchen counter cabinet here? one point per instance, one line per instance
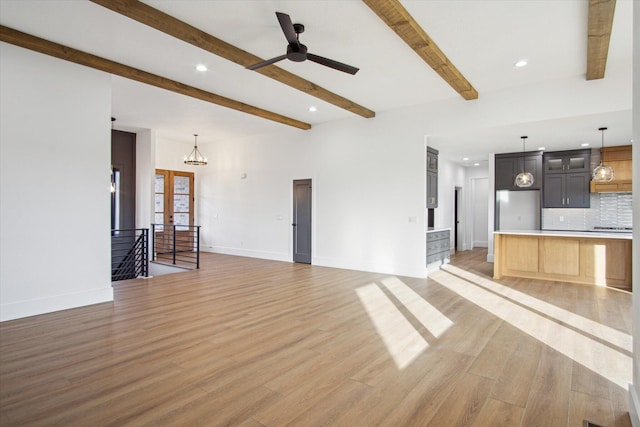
(438, 245)
(592, 258)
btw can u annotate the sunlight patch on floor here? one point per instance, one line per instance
(606, 361)
(402, 340)
(593, 328)
(433, 320)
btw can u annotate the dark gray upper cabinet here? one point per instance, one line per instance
(567, 161)
(567, 176)
(432, 178)
(570, 190)
(508, 166)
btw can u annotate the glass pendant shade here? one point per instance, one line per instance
(602, 173)
(195, 157)
(524, 179)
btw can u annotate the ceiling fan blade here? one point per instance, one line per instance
(267, 62)
(287, 28)
(331, 63)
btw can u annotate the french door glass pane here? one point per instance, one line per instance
(181, 185)
(181, 219)
(159, 220)
(159, 183)
(181, 203)
(159, 202)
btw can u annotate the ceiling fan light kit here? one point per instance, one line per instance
(523, 179)
(297, 52)
(195, 157)
(602, 173)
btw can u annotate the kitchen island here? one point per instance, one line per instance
(596, 258)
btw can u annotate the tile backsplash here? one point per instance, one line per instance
(607, 210)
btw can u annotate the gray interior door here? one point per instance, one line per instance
(302, 221)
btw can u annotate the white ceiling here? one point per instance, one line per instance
(483, 38)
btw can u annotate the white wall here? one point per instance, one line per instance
(145, 177)
(634, 389)
(368, 194)
(54, 184)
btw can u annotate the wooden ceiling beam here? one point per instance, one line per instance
(599, 33)
(403, 24)
(66, 53)
(167, 24)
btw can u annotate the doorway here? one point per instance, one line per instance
(123, 202)
(174, 197)
(302, 221)
(457, 225)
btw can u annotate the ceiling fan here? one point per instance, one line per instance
(297, 52)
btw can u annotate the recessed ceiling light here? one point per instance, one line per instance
(584, 144)
(464, 159)
(521, 63)
(541, 148)
(476, 164)
(313, 109)
(201, 67)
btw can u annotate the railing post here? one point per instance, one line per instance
(197, 246)
(174, 244)
(153, 242)
(145, 255)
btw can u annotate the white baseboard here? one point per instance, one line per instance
(20, 309)
(489, 257)
(274, 256)
(394, 270)
(634, 406)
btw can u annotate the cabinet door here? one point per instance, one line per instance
(553, 163)
(432, 190)
(553, 194)
(432, 162)
(505, 173)
(578, 162)
(577, 190)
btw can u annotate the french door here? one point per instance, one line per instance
(174, 197)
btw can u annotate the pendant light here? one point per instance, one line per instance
(602, 173)
(523, 179)
(195, 157)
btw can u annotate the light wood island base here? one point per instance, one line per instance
(589, 258)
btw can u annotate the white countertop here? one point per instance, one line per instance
(438, 229)
(581, 234)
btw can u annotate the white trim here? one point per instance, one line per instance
(634, 406)
(274, 256)
(32, 307)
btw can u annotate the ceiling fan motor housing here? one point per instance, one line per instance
(297, 53)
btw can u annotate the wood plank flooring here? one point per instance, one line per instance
(251, 342)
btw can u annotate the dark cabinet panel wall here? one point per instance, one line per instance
(567, 178)
(432, 178)
(508, 166)
(563, 176)
(567, 161)
(569, 190)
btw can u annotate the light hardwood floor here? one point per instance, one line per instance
(260, 343)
